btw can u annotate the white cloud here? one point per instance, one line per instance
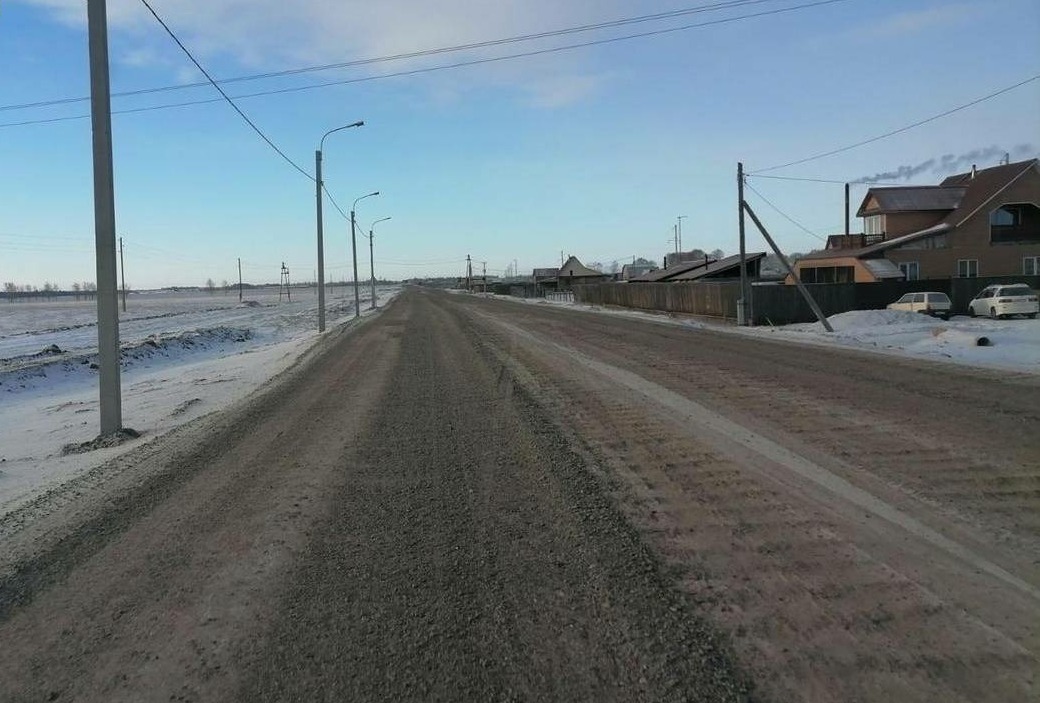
(275, 34)
(928, 19)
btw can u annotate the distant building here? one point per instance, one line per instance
(573, 273)
(980, 223)
(630, 271)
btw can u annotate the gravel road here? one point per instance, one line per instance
(472, 499)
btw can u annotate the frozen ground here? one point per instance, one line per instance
(1012, 344)
(184, 354)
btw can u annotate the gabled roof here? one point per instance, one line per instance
(730, 262)
(880, 247)
(666, 274)
(987, 184)
(912, 199)
(574, 268)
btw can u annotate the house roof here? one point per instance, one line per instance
(666, 274)
(574, 268)
(912, 199)
(880, 247)
(730, 262)
(987, 184)
(883, 268)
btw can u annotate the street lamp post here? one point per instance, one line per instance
(321, 238)
(372, 260)
(353, 248)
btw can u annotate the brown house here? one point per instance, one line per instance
(980, 223)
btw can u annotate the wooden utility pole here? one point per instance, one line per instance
(240, 279)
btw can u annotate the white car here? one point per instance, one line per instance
(1004, 300)
(937, 304)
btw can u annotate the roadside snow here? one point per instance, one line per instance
(1012, 345)
(183, 356)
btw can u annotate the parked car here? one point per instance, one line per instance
(1003, 300)
(937, 304)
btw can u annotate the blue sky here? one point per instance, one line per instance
(592, 152)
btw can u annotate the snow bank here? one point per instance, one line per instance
(182, 356)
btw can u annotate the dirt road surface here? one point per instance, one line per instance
(473, 499)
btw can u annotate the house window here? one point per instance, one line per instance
(1031, 266)
(1015, 223)
(874, 224)
(911, 270)
(968, 268)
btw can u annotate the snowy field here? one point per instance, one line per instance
(1012, 344)
(184, 354)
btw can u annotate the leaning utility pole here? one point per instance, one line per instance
(790, 269)
(110, 393)
(122, 271)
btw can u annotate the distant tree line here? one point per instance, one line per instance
(85, 289)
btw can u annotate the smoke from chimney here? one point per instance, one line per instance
(947, 164)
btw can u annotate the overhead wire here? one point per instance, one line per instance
(442, 67)
(783, 214)
(225, 95)
(729, 4)
(900, 130)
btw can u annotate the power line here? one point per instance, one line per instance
(334, 203)
(225, 95)
(823, 180)
(901, 129)
(729, 4)
(783, 214)
(442, 67)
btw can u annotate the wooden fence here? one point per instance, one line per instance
(780, 304)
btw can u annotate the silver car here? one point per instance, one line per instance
(929, 303)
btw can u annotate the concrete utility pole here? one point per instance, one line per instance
(122, 272)
(110, 392)
(680, 218)
(318, 187)
(745, 293)
(469, 271)
(353, 248)
(240, 279)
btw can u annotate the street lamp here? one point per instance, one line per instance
(680, 218)
(321, 240)
(371, 259)
(353, 248)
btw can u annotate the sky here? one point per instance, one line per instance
(592, 151)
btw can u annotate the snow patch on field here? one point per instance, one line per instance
(183, 355)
